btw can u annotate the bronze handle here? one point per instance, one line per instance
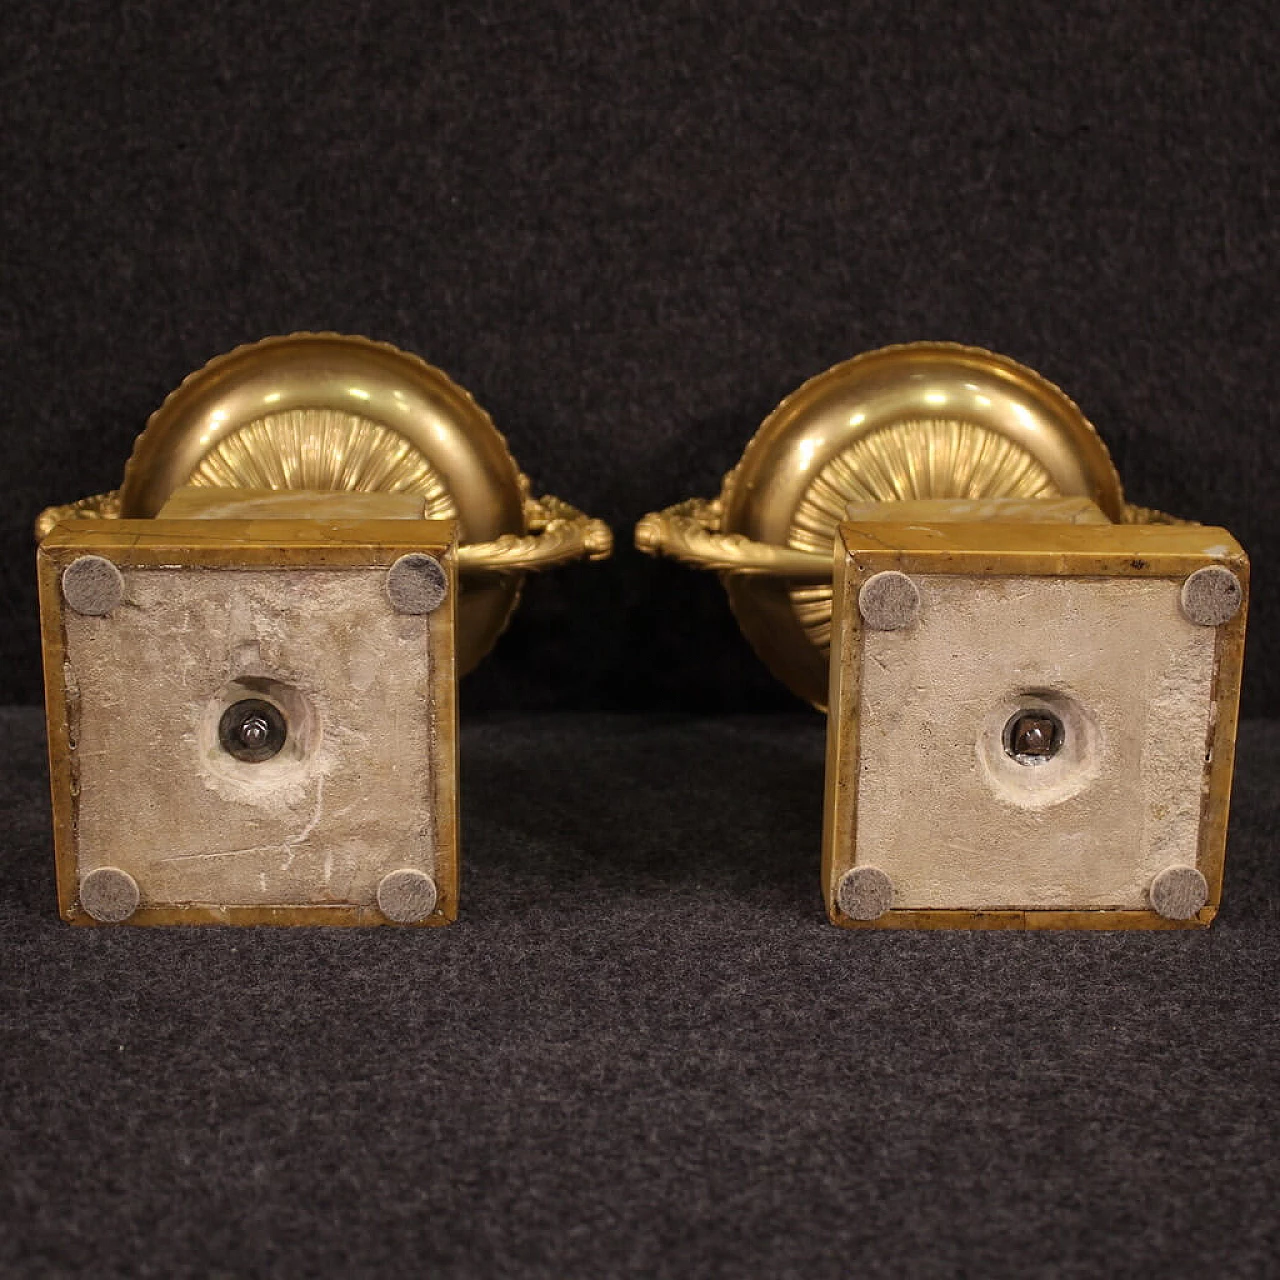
(690, 532)
(98, 506)
(1149, 515)
(557, 533)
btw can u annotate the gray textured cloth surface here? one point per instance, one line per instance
(640, 1051)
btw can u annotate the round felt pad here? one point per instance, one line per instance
(1178, 893)
(92, 585)
(864, 893)
(889, 601)
(1211, 596)
(109, 895)
(416, 583)
(406, 896)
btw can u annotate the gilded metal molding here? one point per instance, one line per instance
(98, 506)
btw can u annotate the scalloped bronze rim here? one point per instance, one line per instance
(841, 369)
(217, 363)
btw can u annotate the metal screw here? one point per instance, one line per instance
(1032, 737)
(252, 730)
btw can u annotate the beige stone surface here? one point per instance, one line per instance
(349, 799)
(954, 821)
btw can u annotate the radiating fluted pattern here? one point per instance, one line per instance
(928, 458)
(323, 449)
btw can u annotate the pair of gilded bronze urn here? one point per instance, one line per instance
(252, 647)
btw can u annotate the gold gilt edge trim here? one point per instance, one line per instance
(1102, 919)
(279, 339)
(446, 913)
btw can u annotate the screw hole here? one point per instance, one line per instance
(252, 730)
(1033, 736)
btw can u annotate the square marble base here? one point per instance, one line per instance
(146, 674)
(951, 641)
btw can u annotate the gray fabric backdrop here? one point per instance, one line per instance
(630, 230)
(640, 1051)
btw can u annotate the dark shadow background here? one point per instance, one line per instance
(630, 231)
